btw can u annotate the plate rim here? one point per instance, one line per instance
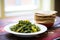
(6, 28)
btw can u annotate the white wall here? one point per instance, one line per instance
(20, 13)
(45, 5)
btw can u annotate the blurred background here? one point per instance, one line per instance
(9, 8)
(57, 6)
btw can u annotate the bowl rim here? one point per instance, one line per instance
(42, 30)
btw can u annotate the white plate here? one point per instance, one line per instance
(42, 30)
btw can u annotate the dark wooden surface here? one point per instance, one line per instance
(50, 34)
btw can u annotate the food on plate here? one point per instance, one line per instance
(25, 26)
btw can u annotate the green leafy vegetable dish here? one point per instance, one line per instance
(25, 26)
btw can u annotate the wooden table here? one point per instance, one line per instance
(50, 34)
